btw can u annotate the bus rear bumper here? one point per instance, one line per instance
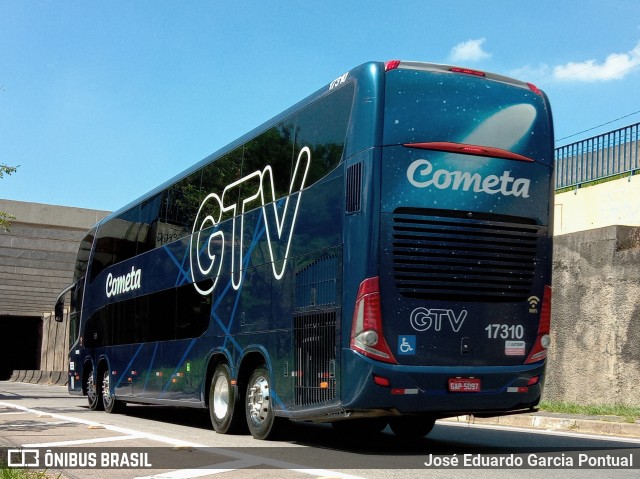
(397, 389)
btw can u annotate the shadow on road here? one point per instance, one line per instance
(444, 439)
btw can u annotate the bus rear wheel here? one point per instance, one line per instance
(411, 427)
(94, 392)
(226, 417)
(259, 405)
(111, 404)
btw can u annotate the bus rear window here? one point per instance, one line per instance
(422, 106)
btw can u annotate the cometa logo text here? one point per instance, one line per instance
(421, 175)
(123, 284)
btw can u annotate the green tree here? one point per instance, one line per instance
(6, 218)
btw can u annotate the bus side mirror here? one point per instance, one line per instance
(59, 309)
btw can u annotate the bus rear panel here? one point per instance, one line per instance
(463, 289)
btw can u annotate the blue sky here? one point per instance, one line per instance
(102, 101)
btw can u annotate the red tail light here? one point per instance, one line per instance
(467, 71)
(391, 65)
(381, 381)
(466, 149)
(366, 330)
(534, 89)
(539, 351)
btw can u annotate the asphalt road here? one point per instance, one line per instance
(160, 442)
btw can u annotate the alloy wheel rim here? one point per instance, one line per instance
(91, 388)
(258, 400)
(221, 398)
(106, 391)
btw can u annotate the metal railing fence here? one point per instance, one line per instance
(615, 153)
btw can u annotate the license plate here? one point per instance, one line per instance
(464, 385)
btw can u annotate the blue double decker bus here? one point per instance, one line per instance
(378, 254)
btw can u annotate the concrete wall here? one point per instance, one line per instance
(55, 343)
(612, 203)
(595, 352)
(38, 255)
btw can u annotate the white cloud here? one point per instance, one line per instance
(469, 51)
(530, 72)
(615, 67)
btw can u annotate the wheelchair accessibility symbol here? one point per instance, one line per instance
(407, 345)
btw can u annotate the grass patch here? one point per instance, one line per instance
(7, 472)
(628, 413)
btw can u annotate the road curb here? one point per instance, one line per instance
(599, 425)
(56, 377)
(37, 376)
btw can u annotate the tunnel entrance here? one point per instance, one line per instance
(20, 343)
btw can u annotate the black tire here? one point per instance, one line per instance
(360, 427)
(94, 392)
(259, 406)
(109, 401)
(226, 416)
(411, 427)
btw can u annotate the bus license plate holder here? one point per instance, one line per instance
(465, 385)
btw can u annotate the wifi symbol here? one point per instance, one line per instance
(533, 304)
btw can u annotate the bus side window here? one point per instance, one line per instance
(322, 126)
(82, 261)
(149, 213)
(117, 241)
(180, 203)
(222, 172)
(273, 148)
(161, 315)
(193, 312)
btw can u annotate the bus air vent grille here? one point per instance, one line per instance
(316, 284)
(315, 360)
(354, 189)
(464, 256)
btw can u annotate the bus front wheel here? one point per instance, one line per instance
(223, 399)
(259, 405)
